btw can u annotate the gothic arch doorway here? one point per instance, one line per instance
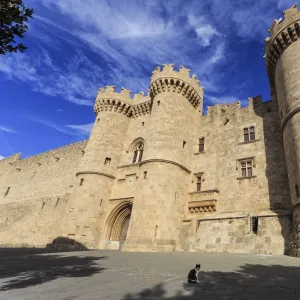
(118, 223)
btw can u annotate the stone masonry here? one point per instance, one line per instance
(226, 181)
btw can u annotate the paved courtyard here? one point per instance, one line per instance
(29, 274)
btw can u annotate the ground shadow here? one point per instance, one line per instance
(24, 267)
(248, 282)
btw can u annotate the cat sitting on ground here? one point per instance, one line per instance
(193, 274)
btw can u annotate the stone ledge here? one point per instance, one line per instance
(95, 173)
(122, 199)
(249, 142)
(248, 177)
(204, 192)
(199, 153)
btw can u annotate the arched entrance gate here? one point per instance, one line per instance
(118, 223)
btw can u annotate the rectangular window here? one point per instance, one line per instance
(107, 161)
(249, 134)
(297, 190)
(7, 191)
(201, 145)
(254, 224)
(81, 181)
(145, 174)
(246, 167)
(199, 179)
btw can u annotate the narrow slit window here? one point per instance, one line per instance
(57, 201)
(143, 123)
(254, 224)
(7, 191)
(43, 205)
(107, 161)
(145, 174)
(198, 183)
(297, 190)
(81, 181)
(201, 144)
(158, 103)
(183, 144)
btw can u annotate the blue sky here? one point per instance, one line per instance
(76, 47)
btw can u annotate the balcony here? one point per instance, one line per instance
(203, 201)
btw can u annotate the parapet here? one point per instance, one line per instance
(169, 80)
(255, 104)
(110, 100)
(283, 33)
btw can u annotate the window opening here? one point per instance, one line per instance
(246, 167)
(81, 181)
(107, 161)
(145, 174)
(183, 144)
(199, 180)
(138, 153)
(249, 134)
(297, 190)
(254, 224)
(7, 191)
(158, 103)
(201, 145)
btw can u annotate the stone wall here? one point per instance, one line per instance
(32, 211)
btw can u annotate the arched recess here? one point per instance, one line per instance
(118, 217)
(136, 150)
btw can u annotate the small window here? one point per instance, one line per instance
(254, 224)
(143, 123)
(201, 145)
(107, 161)
(297, 190)
(158, 103)
(7, 191)
(138, 153)
(247, 168)
(43, 205)
(98, 120)
(249, 134)
(81, 181)
(145, 174)
(199, 180)
(183, 144)
(57, 201)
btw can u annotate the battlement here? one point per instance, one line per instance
(183, 74)
(290, 16)
(254, 104)
(283, 33)
(169, 80)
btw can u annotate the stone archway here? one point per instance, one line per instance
(118, 224)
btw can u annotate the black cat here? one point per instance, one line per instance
(193, 275)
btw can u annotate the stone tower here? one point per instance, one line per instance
(98, 166)
(177, 101)
(283, 67)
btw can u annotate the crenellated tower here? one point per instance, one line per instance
(176, 105)
(97, 170)
(283, 67)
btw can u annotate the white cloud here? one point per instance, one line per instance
(81, 130)
(7, 129)
(76, 80)
(2, 157)
(84, 129)
(205, 31)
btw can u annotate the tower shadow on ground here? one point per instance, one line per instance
(258, 282)
(25, 267)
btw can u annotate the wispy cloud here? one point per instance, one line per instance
(81, 130)
(1, 157)
(84, 129)
(7, 129)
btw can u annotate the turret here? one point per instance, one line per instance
(283, 67)
(97, 170)
(176, 105)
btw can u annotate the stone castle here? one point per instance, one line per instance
(157, 175)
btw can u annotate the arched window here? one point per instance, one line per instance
(138, 152)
